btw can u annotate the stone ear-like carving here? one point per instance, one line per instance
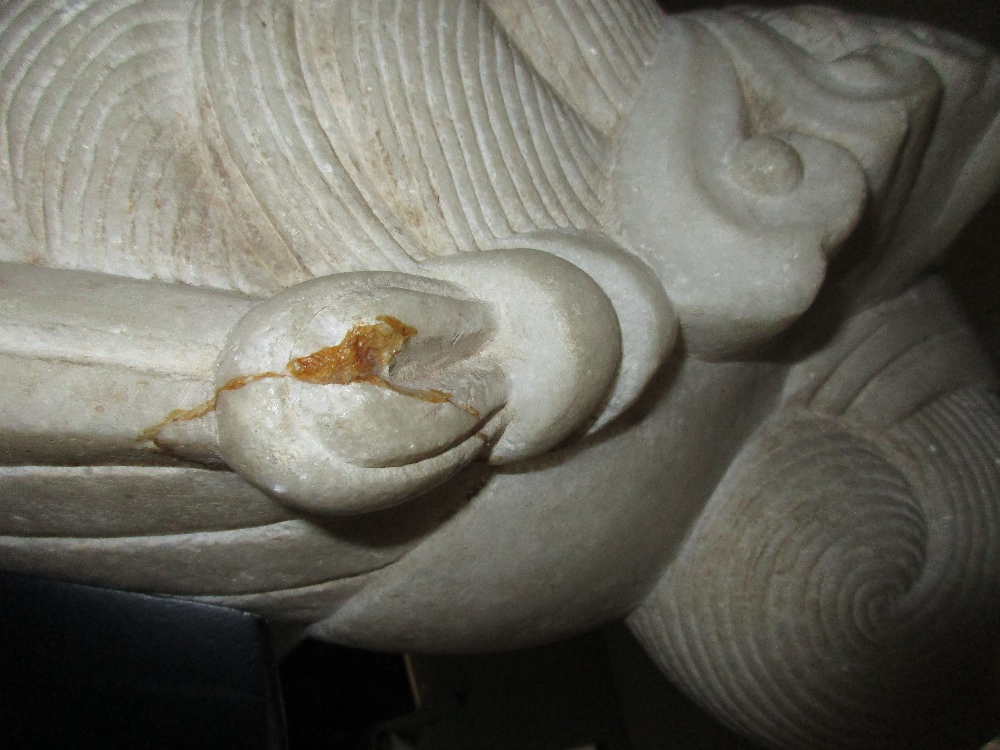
(357, 391)
(502, 353)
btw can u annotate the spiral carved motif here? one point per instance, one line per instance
(839, 587)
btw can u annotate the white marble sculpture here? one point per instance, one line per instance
(457, 325)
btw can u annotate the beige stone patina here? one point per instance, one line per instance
(454, 325)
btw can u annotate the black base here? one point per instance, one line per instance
(89, 667)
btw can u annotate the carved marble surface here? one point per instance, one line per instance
(457, 325)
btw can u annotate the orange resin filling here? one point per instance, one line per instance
(363, 356)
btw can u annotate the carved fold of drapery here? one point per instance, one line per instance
(454, 131)
(595, 54)
(224, 143)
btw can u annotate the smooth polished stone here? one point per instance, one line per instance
(455, 325)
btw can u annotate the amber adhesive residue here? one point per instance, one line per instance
(199, 411)
(363, 355)
(365, 352)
